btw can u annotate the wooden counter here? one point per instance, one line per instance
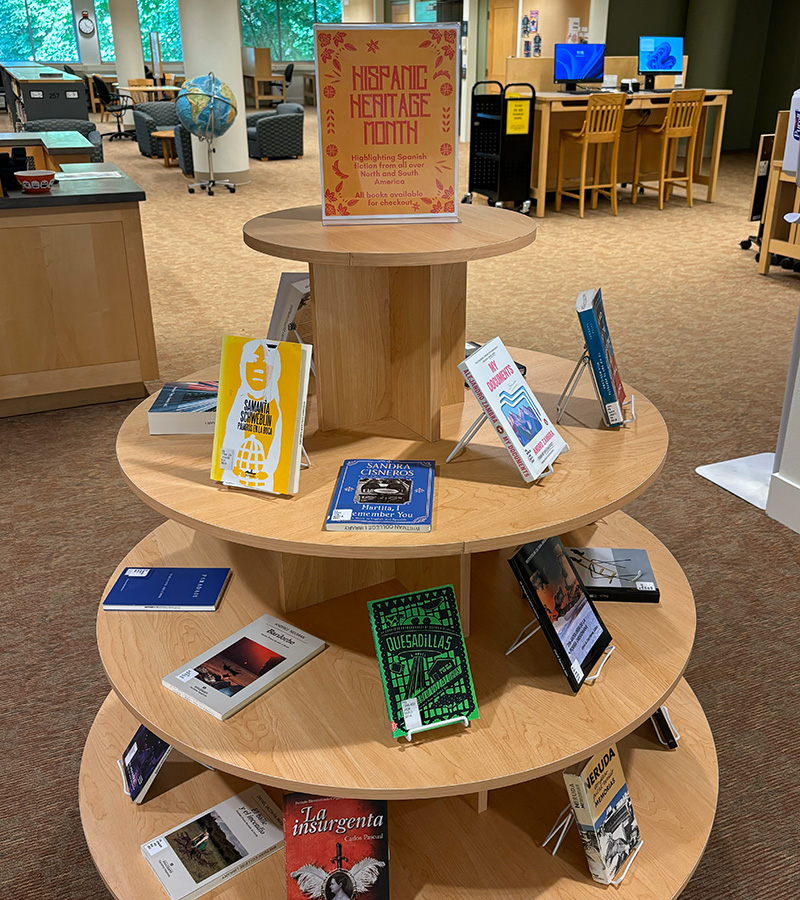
(75, 315)
(49, 149)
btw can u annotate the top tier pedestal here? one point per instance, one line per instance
(389, 307)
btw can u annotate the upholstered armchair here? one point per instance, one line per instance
(84, 126)
(157, 115)
(273, 134)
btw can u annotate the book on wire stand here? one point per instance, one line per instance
(592, 317)
(235, 671)
(604, 814)
(514, 412)
(423, 661)
(141, 761)
(208, 849)
(336, 848)
(570, 622)
(383, 495)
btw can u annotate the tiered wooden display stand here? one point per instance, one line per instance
(324, 730)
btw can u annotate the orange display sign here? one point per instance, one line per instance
(387, 97)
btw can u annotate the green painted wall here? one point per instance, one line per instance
(627, 19)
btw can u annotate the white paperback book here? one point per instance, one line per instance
(204, 851)
(235, 671)
(293, 290)
(515, 413)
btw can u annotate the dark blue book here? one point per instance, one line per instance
(140, 762)
(383, 495)
(141, 587)
(591, 314)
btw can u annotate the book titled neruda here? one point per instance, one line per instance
(423, 660)
(517, 416)
(336, 848)
(383, 495)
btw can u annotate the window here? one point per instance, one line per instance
(40, 30)
(285, 26)
(154, 15)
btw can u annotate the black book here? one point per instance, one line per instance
(614, 573)
(568, 618)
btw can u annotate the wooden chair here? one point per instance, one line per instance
(602, 125)
(140, 96)
(681, 121)
(262, 75)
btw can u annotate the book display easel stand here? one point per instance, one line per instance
(569, 389)
(398, 294)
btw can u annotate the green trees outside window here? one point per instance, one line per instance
(285, 26)
(40, 30)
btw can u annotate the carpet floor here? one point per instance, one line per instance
(695, 328)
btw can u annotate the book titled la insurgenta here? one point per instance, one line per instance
(592, 316)
(604, 813)
(210, 848)
(517, 416)
(336, 848)
(235, 671)
(383, 495)
(423, 660)
(261, 412)
(141, 762)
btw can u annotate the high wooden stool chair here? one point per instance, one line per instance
(602, 125)
(681, 121)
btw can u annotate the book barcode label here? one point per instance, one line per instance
(137, 573)
(226, 458)
(130, 754)
(156, 846)
(188, 675)
(614, 413)
(411, 715)
(645, 586)
(577, 671)
(341, 515)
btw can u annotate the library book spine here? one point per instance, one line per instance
(600, 365)
(487, 408)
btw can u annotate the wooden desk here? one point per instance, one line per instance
(557, 110)
(50, 149)
(75, 315)
(170, 90)
(309, 89)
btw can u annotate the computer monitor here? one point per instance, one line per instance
(578, 62)
(659, 56)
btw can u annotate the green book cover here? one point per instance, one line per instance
(423, 659)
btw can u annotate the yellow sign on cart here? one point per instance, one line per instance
(518, 116)
(387, 100)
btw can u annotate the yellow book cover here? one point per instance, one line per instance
(261, 412)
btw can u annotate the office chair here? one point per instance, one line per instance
(115, 104)
(281, 82)
(602, 125)
(681, 121)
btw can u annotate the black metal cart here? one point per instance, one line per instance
(501, 144)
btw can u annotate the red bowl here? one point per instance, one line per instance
(35, 181)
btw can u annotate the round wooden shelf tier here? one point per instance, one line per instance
(325, 730)
(496, 853)
(481, 232)
(480, 501)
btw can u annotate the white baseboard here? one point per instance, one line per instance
(783, 501)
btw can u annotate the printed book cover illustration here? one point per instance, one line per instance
(383, 495)
(262, 406)
(153, 587)
(592, 316)
(206, 850)
(615, 573)
(388, 109)
(235, 671)
(336, 849)
(423, 659)
(184, 407)
(291, 314)
(141, 761)
(568, 618)
(517, 416)
(603, 812)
